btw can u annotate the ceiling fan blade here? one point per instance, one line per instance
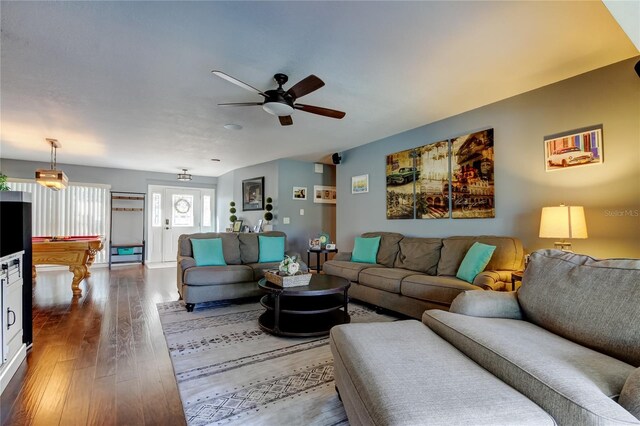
(305, 86)
(286, 120)
(237, 82)
(332, 113)
(241, 104)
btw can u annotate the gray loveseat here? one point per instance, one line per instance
(416, 274)
(197, 284)
(564, 349)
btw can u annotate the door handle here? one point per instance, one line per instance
(9, 322)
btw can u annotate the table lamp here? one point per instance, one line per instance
(563, 222)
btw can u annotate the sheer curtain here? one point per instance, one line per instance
(80, 209)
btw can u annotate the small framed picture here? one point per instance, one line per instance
(258, 227)
(574, 148)
(237, 226)
(330, 246)
(360, 184)
(299, 192)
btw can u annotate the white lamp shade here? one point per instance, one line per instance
(563, 222)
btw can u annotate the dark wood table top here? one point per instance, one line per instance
(320, 284)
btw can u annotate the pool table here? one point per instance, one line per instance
(76, 252)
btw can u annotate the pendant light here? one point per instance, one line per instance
(184, 176)
(52, 178)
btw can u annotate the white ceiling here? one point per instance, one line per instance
(128, 84)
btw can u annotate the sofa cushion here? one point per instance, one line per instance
(212, 275)
(419, 254)
(401, 373)
(575, 384)
(508, 255)
(365, 249)
(345, 269)
(591, 302)
(474, 261)
(230, 245)
(630, 395)
(249, 248)
(387, 279)
(388, 246)
(270, 249)
(433, 288)
(259, 268)
(208, 251)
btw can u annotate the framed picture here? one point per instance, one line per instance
(359, 184)
(324, 194)
(299, 192)
(401, 174)
(574, 148)
(237, 226)
(253, 194)
(472, 176)
(258, 227)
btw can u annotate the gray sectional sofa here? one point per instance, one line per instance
(238, 279)
(564, 349)
(416, 274)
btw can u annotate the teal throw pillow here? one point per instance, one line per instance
(271, 249)
(365, 249)
(208, 252)
(475, 261)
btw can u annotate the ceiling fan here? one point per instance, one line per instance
(282, 103)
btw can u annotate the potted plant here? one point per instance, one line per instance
(268, 216)
(3, 183)
(232, 210)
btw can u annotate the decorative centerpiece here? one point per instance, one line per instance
(288, 274)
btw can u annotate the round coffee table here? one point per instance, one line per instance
(305, 311)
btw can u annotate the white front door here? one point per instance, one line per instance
(174, 211)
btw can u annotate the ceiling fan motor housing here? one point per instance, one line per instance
(278, 102)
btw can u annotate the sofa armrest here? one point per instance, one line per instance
(184, 263)
(630, 394)
(342, 255)
(487, 304)
(493, 280)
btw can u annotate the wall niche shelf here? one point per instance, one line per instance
(127, 233)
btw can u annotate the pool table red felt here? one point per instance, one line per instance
(77, 252)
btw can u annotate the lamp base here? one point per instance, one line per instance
(563, 245)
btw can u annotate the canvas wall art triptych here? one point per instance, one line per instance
(450, 178)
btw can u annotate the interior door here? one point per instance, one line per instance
(182, 215)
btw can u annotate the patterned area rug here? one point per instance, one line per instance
(231, 372)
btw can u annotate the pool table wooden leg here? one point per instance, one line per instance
(79, 273)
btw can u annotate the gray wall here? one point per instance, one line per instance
(119, 179)
(280, 177)
(230, 189)
(609, 192)
(317, 217)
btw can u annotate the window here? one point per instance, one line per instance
(206, 210)
(80, 209)
(182, 212)
(156, 209)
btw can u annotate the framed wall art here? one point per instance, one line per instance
(299, 192)
(401, 173)
(432, 182)
(359, 184)
(324, 194)
(472, 177)
(253, 194)
(574, 148)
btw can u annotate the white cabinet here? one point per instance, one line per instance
(13, 349)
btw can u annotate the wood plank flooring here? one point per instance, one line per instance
(101, 359)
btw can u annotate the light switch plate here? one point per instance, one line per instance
(301, 212)
(285, 220)
(319, 167)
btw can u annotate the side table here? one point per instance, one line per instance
(318, 252)
(515, 278)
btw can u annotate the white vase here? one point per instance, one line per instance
(267, 228)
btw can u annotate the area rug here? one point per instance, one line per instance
(231, 372)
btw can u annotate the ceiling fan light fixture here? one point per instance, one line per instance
(52, 178)
(184, 176)
(277, 108)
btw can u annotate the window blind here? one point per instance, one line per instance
(80, 209)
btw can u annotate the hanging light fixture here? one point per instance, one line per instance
(52, 178)
(184, 176)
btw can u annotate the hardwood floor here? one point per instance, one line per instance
(101, 359)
